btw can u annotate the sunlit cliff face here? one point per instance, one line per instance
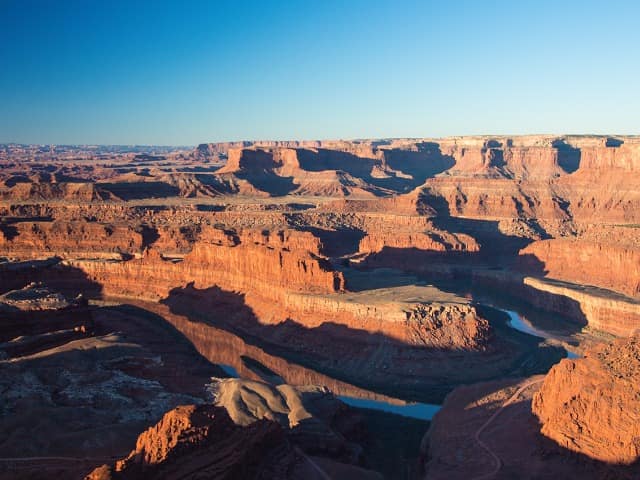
(379, 269)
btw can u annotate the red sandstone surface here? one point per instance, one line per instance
(580, 420)
(590, 405)
(377, 268)
(204, 441)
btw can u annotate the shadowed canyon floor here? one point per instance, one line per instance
(350, 288)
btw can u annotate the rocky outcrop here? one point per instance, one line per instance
(72, 388)
(591, 405)
(36, 309)
(35, 297)
(202, 440)
(487, 430)
(449, 327)
(254, 430)
(313, 418)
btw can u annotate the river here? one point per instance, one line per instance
(420, 411)
(517, 322)
(239, 359)
(417, 410)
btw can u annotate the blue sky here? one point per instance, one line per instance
(186, 72)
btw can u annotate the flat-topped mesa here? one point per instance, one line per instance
(213, 151)
(254, 172)
(358, 148)
(249, 160)
(504, 158)
(307, 171)
(398, 314)
(591, 405)
(548, 178)
(283, 160)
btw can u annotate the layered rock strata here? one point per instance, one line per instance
(591, 405)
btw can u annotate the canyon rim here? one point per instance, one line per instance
(284, 240)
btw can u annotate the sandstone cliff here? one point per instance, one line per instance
(591, 405)
(265, 263)
(72, 239)
(604, 264)
(222, 442)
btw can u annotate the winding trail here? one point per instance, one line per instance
(313, 464)
(496, 460)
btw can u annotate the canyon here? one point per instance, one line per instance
(252, 297)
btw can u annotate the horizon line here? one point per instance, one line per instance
(354, 139)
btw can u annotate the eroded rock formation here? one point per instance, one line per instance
(254, 430)
(578, 420)
(591, 405)
(370, 266)
(205, 440)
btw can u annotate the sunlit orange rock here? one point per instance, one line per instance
(591, 405)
